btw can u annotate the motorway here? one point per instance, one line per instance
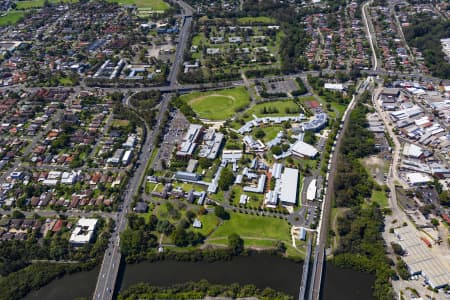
(106, 281)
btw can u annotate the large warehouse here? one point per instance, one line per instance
(289, 187)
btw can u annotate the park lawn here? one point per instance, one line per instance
(11, 18)
(338, 109)
(248, 242)
(28, 4)
(250, 226)
(153, 4)
(65, 81)
(218, 105)
(252, 20)
(209, 223)
(280, 105)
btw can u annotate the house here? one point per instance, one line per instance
(141, 207)
(212, 51)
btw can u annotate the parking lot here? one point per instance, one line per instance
(284, 86)
(173, 133)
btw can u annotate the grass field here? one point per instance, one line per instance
(11, 18)
(280, 105)
(252, 20)
(153, 4)
(209, 223)
(270, 131)
(253, 227)
(28, 4)
(380, 198)
(218, 105)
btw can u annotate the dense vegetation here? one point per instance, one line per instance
(361, 246)
(199, 290)
(425, 33)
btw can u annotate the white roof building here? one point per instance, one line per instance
(413, 151)
(415, 178)
(334, 86)
(276, 170)
(83, 232)
(303, 149)
(259, 188)
(289, 186)
(68, 178)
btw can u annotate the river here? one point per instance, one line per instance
(260, 270)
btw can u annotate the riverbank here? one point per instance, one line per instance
(260, 270)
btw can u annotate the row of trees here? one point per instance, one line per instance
(200, 290)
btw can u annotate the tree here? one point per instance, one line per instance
(164, 226)
(226, 179)
(276, 150)
(435, 222)
(259, 134)
(397, 249)
(235, 243)
(220, 212)
(205, 163)
(179, 237)
(17, 214)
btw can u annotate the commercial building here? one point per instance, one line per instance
(83, 232)
(289, 186)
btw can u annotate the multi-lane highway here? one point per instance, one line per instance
(107, 277)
